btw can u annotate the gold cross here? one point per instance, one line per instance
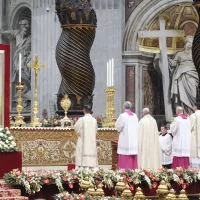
(35, 64)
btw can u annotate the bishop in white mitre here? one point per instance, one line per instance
(181, 131)
(127, 126)
(86, 149)
(149, 154)
(195, 137)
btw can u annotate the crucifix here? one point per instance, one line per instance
(162, 34)
(36, 66)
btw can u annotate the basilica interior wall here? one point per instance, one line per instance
(45, 32)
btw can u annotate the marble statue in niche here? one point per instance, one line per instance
(22, 37)
(184, 77)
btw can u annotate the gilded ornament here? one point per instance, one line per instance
(127, 192)
(120, 185)
(162, 190)
(36, 66)
(139, 194)
(99, 192)
(91, 190)
(85, 184)
(171, 195)
(182, 195)
(110, 121)
(65, 104)
(19, 119)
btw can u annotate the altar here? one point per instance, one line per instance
(56, 146)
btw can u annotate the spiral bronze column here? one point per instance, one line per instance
(78, 22)
(196, 47)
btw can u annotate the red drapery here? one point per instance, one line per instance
(6, 48)
(10, 161)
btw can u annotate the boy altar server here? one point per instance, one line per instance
(166, 147)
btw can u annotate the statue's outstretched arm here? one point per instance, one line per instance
(7, 32)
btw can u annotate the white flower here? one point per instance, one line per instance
(8, 132)
(10, 138)
(13, 143)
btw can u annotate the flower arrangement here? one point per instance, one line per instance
(7, 143)
(67, 196)
(33, 181)
(56, 121)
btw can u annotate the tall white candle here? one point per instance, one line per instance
(20, 67)
(112, 72)
(107, 74)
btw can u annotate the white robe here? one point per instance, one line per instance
(181, 130)
(149, 155)
(86, 149)
(195, 140)
(166, 148)
(127, 126)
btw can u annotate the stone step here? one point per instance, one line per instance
(4, 185)
(14, 198)
(10, 193)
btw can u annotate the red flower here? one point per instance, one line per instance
(75, 177)
(178, 174)
(154, 185)
(64, 178)
(182, 181)
(129, 179)
(71, 185)
(46, 180)
(28, 179)
(131, 187)
(123, 175)
(99, 182)
(184, 186)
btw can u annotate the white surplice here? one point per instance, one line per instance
(127, 126)
(166, 148)
(86, 149)
(149, 153)
(195, 140)
(181, 131)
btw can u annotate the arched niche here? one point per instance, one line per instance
(20, 12)
(141, 17)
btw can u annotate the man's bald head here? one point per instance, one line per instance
(179, 110)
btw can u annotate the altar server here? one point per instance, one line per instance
(127, 126)
(181, 131)
(149, 154)
(195, 140)
(166, 147)
(86, 149)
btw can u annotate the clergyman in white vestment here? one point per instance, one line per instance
(149, 155)
(166, 147)
(127, 126)
(181, 131)
(86, 149)
(195, 140)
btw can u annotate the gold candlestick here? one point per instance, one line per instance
(109, 122)
(36, 66)
(19, 119)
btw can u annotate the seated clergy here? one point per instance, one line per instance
(86, 149)
(127, 126)
(166, 147)
(181, 131)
